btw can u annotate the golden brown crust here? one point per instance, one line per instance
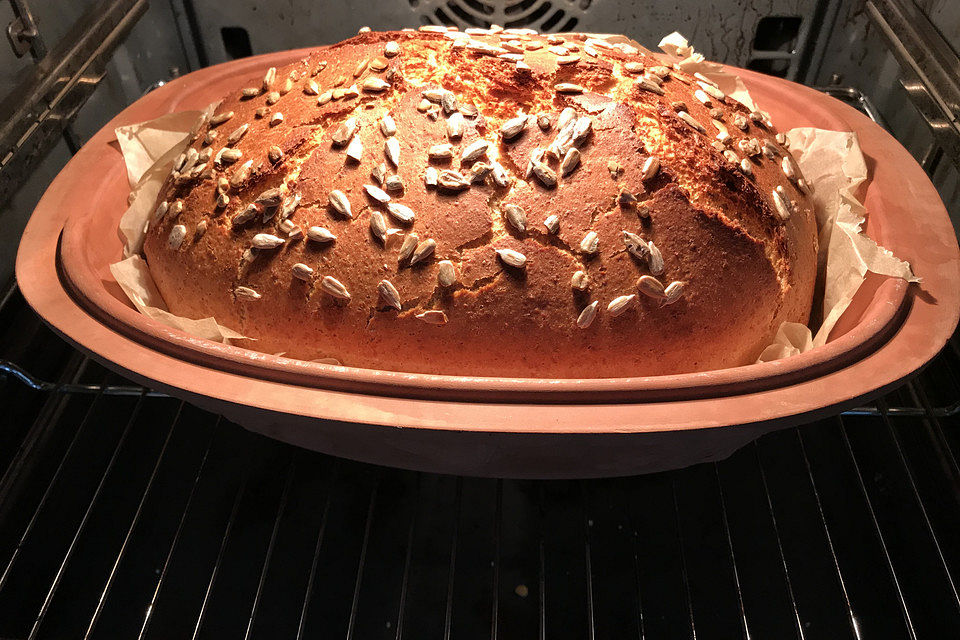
(744, 268)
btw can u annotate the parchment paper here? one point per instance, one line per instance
(149, 149)
(831, 161)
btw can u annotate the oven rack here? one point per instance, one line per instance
(138, 515)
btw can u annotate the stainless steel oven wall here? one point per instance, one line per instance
(859, 54)
(723, 30)
(153, 51)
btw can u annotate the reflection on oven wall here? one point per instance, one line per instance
(810, 41)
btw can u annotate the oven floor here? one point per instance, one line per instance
(126, 516)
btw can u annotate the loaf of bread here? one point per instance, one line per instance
(493, 203)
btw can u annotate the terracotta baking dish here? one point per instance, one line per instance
(498, 426)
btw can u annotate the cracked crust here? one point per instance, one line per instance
(744, 269)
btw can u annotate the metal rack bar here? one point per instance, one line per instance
(452, 566)
(176, 536)
(316, 551)
(407, 556)
(83, 522)
(683, 561)
(876, 529)
(291, 469)
(133, 524)
(776, 535)
(588, 561)
(362, 561)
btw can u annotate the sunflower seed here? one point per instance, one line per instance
(581, 129)
(446, 273)
(513, 127)
(391, 149)
(788, 169)
(452, 180)
(355, 149)
(334, 287)
(188, 159)
(648, 84)
(377, 193)
(587, 316)
(650, 167)
(270, 198)
(378, 64)
(238, 133)
(311, 88)
(339, 81)
(636, 245)
(781, 139)
(247, 214)
(373, 84)
(324, 98)
(741, 122)
(344, 132)
(249, 92)
(248, 255)
(568, 59)
(269, 77)
(473, 151)
(391, 49)
(302, 272)
(431, 176)
(650, 286)
(227, 155)
(177, 235)
(321, 235)
(266, 241)
(276, 119)
(567, 116)
(290, 205)
(338, 200)
(615, 169)
(222, 200)
(161, 211)
(378, 226)
(351, 92)
(434, 95)
(241, 174)
(724, 138)
(590, 243)
(672, 292)
(274, 154)
(440, 151)
(545, 174)
(361, 67)
(393, 183)
(433, 316)
(568, 87)
(781, 204)
(580, 281)
(389, 294)
(749, 147)
(633, 67)
(769, 149)
(388, 126)
(702, 96)
(512, 258)
(618, 305)
(804, 186)
(204, 156)
(246, 293)
(552, 223)
(289, 228)
(287, 85)
(643, 211)
(570, 161)
(220, 118)
(499, 174)
(690, 120)
(408, 246)
(516, 217)
(423, 251)
(559, 51)
(711, 90)
(756, 116)
(210, 137)
(626, 198)
(401, 212)
(423, 105)
(478, 172)
(654, 259)
(536, 156)
(449, 102)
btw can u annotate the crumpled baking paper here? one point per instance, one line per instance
(149, 150)
(831, 161)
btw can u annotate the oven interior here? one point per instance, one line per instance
(126, 513)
